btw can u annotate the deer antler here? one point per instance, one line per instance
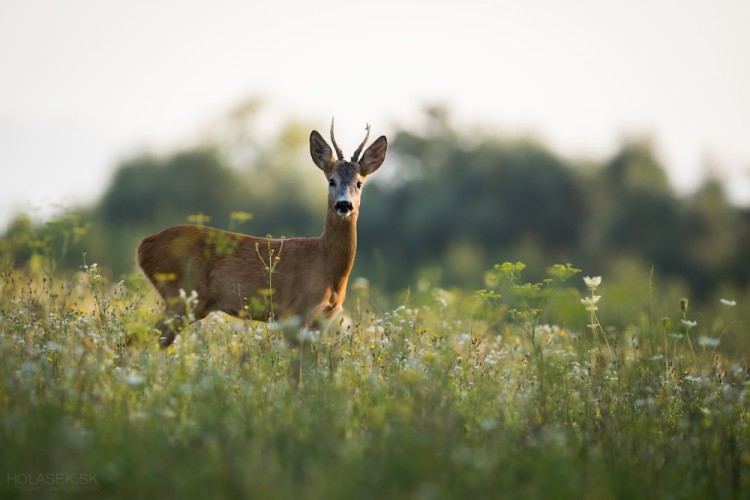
(339, 153)
(355, 156)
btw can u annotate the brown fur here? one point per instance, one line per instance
(230, 271)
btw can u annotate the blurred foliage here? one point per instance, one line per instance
(447, 206)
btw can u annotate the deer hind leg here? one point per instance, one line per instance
(322, 318)
(177, 319)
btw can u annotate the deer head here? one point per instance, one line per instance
(346, 178)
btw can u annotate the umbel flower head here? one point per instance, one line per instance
(592, 283)
(590, 302)
(688, 323)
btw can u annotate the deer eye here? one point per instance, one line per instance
(359, 184)
(331, 182)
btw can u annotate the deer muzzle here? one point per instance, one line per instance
(343, 207)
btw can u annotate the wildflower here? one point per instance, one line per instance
(307, 335)
(53, 346)
(592, 283)
(198, 219)
(590, 302)
(708, 342)
(162, 277)
(360, 284)
(240, 216)
(688, 323)
(728, 303)
(135, 379)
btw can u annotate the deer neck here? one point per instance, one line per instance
(338, 244)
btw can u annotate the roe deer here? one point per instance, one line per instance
(227, 270)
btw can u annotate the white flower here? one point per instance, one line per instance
(708, 342)
(135, 379)
(361, 284)
(688, 323)
(53, 346)
(729, 303)
(307, 335)
(590, 302)
(592, 283)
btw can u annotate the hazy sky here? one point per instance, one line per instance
(84, 83)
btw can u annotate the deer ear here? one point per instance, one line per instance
(320, 151)
(374, 156)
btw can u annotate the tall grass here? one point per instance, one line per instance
(514, 392)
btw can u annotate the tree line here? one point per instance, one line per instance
(450, 206)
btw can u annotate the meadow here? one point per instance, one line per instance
(518, 390)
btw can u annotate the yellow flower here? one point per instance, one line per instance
(240, 216)
(162, 277)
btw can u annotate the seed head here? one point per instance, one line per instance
(683, 305)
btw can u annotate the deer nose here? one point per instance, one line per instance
(343, 207)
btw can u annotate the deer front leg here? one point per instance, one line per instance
(322, 316)
(167, 331)
(317, 318)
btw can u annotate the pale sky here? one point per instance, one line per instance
(85, 83)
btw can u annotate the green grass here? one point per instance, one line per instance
(448, 396)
